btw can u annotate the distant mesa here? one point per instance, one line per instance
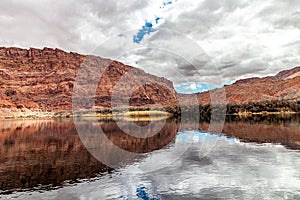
(283, 86)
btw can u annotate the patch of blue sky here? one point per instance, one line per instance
(157, 19)
(148, 27)
(145, 30)
(194, 137)
(167, 2)
(195, 87)
(228, 82)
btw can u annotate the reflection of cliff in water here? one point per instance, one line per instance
(45, 152)
(280, 129)
(114, 146)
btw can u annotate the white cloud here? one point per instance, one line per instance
(192, 86)
(243, 38)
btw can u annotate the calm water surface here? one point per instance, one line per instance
(254, 158)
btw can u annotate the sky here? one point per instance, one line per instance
(211, 42)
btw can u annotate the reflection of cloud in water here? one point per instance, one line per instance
(231, 170)
(200, 136)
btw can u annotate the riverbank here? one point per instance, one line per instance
(145, 114)
(265, 113)
(134, 115)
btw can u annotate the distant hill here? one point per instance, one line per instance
(283, 86)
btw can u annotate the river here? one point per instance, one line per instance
(254, 158)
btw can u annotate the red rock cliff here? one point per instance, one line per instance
(42, 80)
(283, 86)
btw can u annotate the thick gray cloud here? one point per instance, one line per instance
(69, 24)
(244, 38)
(241, 38)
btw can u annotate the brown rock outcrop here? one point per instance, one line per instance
(284, 86)
(42, 80)
(37, 81)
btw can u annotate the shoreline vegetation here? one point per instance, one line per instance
(274, 107)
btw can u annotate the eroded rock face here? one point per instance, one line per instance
(284, 86)
(37, 81)
(288, 74)
(42, 80)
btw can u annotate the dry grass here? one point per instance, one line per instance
(146, 113)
